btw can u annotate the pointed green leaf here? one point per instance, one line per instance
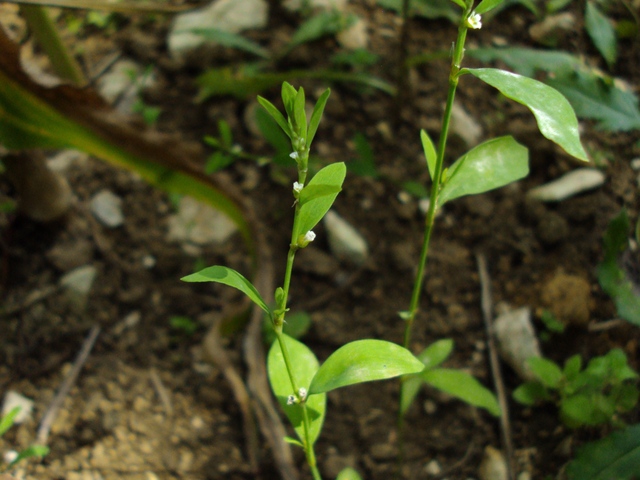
(616, 456)
(546, 370)
(6, 422)
(436, 353)
(230, 277)
(429, 152)
(316, 116)
(293, 441)
(486, 5)
(29, 452)
(364, 361)
(305, 365)
(602, 33)
(300, 114)
(531, 392)
(572, 367)
(289, 98)
(275, 114)
(313, 210)
(464, 386)
(409, 387)
(556, 119)
(228, 39)
(348, 474)
(490, 165)
(311, 192)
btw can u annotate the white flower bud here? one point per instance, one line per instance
(297, 187)
(291, 400)
(474, 21)
(294, 155)
(302, 393)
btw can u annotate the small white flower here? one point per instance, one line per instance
(474, 21)
(302, 393)
(291, 400)
(294, 155)
(309, 236)
(297, 187)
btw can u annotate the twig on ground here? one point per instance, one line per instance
(52, 411)
(161, 391)
(218, 355)
(487, 314)
(606, 325)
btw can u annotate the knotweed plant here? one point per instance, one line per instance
(298, 380)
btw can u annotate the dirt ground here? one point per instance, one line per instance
(148, 405)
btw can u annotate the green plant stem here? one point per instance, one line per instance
(456, 61)
(278, 327)
(44, 30)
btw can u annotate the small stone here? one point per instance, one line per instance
(568, 297)
(77, 284)
(433, 468)
(67, 256)
(355, 37)
(517, 341)
(465, 126)
(548, 31)
(106, 206)
(226, 15)
(493, 466)
(430, 407)
(122, 84)
(383, 451)
(635, 164)
(199, 224)
(345, 241)
(13, 399)
(569, 185)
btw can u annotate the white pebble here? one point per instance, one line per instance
(517, 341)
(570, 184)
(106, 206)
(13, 399)
(345, 242)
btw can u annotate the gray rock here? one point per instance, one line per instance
(355, 37)
(77, 284)
(106, 206)
(517, 341)
(345, 241)
(493, 465)
(199, 224)
(568, 185)
(13, 399)
(231, 16)
(465, 126)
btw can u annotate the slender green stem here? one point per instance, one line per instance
(44, 30)
(456, 60)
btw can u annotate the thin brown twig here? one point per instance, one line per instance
(486, 303)
(52, 411)
(218, 355)
(163, 395)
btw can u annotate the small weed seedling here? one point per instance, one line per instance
(593, 396)
(6, 422)
(299, 382)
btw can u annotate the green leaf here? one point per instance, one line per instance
(555, 116)
(584, 409)
(463, 386)
(432, 356)
(311, 192)
(321, 25)
(247, 81)
(490, 165)
(300, 114)
(230, 277)
(614, 457)
(364, 361)
(365, 164)
(429, 152)
(546, 370)
(6, 422)
(531, 392)
(289, 94)
(427, 8)
(601, 98)
(228, 39)
(614, 280)
(275, 114)
(313, 210)
(602, 33)
(29, 452)
(272, 133)
(304, 365)
(572, 367)
(486, 5)
(348, 474)
(436, 353)
(316, 116)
